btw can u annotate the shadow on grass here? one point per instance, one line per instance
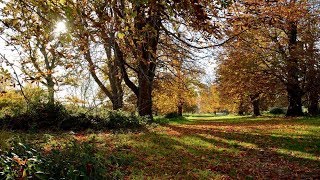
(179, 157)
(204, 115)
(177, 120)
(307, 144)
(251, 121)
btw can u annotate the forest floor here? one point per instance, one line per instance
(206, 147)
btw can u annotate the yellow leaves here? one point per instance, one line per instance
(75, 100)
(62, 1)
(19, 160)
(120, 35)
(69, 66)
(172, 91)
(210, 100)
(15, 22)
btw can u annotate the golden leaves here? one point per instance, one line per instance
(120, 35)
(19, 160)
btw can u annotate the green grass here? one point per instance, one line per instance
(207, 147)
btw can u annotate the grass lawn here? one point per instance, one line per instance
(206, 147)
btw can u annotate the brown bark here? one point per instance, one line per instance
(147, 50)
(293, 85)
(241, 109)
(313, 108)
(144, 52)
(256, 106)
(312, 75)
(115, 77)
(116, 93)
(50, 87)
(295, 103)
(144, 103)
(180, 109)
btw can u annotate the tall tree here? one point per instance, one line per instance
(242, 76)
(144, 25)
(210, 101)
(97, 31)
(30, 26)
(175, 89)
(278, 27)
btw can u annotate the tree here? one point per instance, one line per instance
(175, 90)
(99, 31)
(144, 25)
(135, 29)
(210, 101)
(242, 75)
(278, 30)
(310, 53)
(30, 28)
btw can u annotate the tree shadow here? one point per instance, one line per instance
(256, 121)
(181, 158)
(307, 144)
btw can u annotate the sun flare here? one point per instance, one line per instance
(60, 28)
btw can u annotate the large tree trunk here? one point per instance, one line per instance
(241, 109)
(313, 108)
(256, 108)
(293, 85)
(180, 109)
(50, 87)
(144, 102)
(295, 103)
(117, 102)
(144, 51)
(115, 80)
(312, 74)
(114, 75)
(255, 100)
(146, 54)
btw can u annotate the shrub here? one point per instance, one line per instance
(120, 119)
(277, 110)
(80, 122)
(172, 115)
(11, 104)
(41, 115)
(73, 161)
(37, 116)
(45, 115)
(35, 113)
(103, 120)
(21, 162)
(161, 121)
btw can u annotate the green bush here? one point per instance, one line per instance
(21, 162)
(172, 115)
(11, 104)
(42, 116)
(34, 112)
(161, 120)
(72, 160)
(81, 121)
(46, 115)
(120, 120)
(37, 116)
(76, 159)
(277, 111)
(103, 120)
